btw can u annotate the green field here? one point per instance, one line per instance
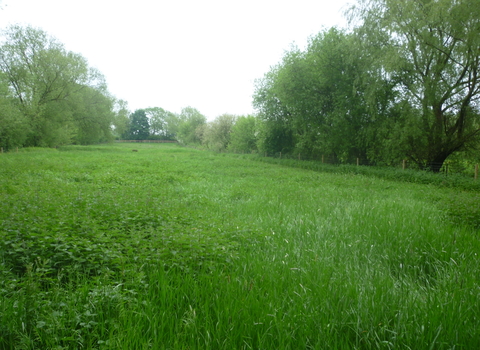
(175, 248)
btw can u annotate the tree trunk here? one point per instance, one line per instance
(436, 163)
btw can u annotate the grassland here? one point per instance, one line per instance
(174, 248)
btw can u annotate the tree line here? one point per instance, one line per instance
(50, 96)
(403, 84)
(190, 127)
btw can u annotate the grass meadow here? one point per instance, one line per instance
(175, 248)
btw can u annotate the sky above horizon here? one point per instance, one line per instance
(173, 54)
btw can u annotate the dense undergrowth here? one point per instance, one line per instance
(174, 248)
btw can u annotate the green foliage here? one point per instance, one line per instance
(431, 47)
(402, 84)
(190, 126)
(322, 96)
(275, 132)
(93, 115)
(13, 125)
(138, 126)
(243, 137)
(275, 137)
(463, 207)
(216, 134)
(163, 124)
(59, 98)
(120, 119)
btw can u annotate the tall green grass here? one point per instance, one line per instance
(174, 248)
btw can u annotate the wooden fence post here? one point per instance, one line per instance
(358, 162)
(403, 164)
(322, 158)
(299, 156)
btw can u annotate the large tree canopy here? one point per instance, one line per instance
(433, 48)
(403, 84)
(317, 101)
(53, 89)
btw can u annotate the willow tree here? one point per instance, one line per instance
(433, 48)
(92, 116)
(49, 85)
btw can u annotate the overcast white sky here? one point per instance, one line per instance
(177, 53)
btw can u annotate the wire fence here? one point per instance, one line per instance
(147, 141)
(447, 168)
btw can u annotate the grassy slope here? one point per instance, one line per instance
(176, 248)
